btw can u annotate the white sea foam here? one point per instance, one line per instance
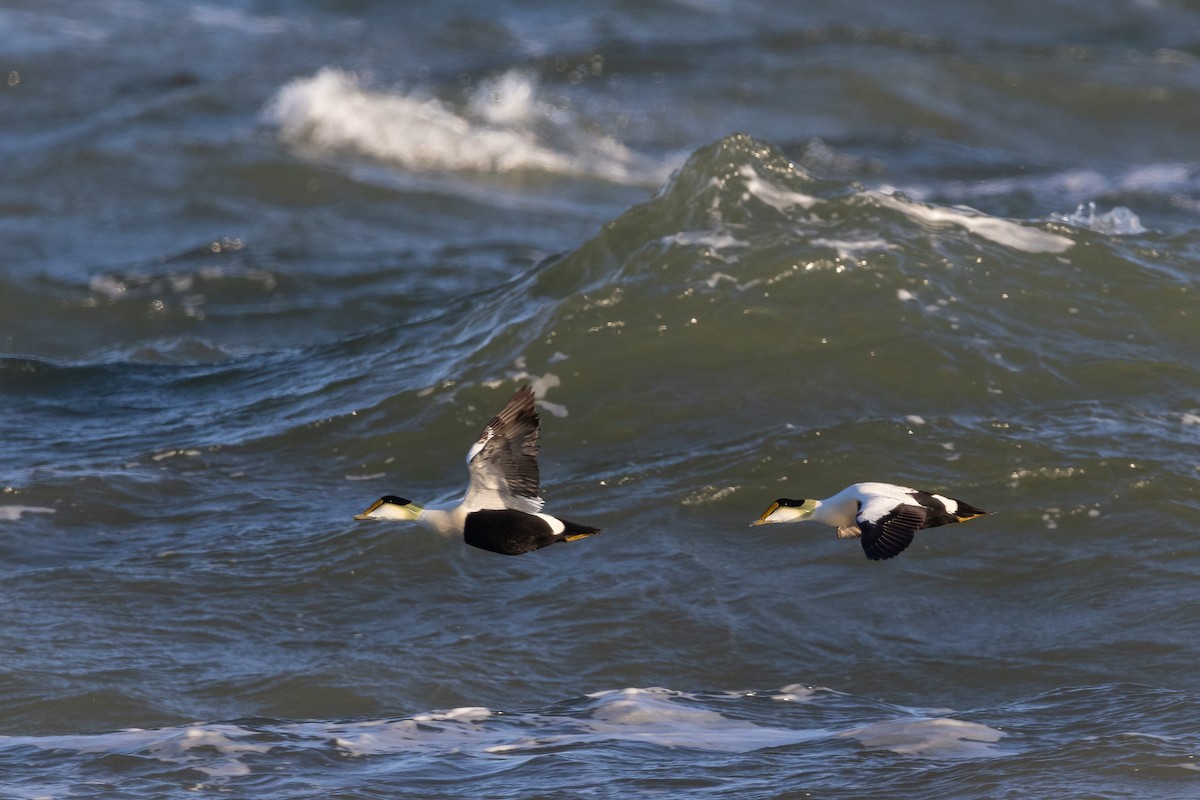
(108, 286)
(1120, 221)
(333, 110)
(775, 196)
(795, 693)
(1001, 231)
(496, 132)
(374, 476)
(929, 738)
(655, 716)
(508, 99)
(213, 749)
(541, 384)
(708, 494)
(463, 714)
(438, 731)
(1011, 234)
(715, 243)
(712, 239)
(1077, 185)
(544, 383)
(714, 280)
(557, 409)
(14, 513)
(191, 452)
(850, 250)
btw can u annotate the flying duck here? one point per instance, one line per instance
(885, 515)
(502, 509)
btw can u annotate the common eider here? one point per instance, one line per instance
(502, 509)
(885, 515)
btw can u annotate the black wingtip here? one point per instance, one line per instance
(524, 395)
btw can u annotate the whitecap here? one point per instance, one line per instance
(775, 196)
(1120, 221)
(1001, 231)
(434, 731)
(462, 714)
(654, 715)
(508, 99)
(14, 513)
(496, 133)
(213, 749)
(333, 110)
(939, 737)
(1015, 235)
(796, 693)
(107, 285)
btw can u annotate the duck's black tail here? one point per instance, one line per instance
(575, 531)
(966, 511)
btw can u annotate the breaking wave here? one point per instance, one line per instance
(504, 126)
(220, 754)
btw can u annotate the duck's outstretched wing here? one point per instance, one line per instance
(888, 535)
(503, 463)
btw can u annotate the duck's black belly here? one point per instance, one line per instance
(506, 531)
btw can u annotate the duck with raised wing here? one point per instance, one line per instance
(502, 509)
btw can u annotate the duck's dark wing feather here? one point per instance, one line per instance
(890, 534)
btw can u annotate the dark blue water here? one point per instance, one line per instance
(263, 263)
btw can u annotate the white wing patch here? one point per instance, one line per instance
(556, 525)
(878, 500)
(949, 502)
(503, 462)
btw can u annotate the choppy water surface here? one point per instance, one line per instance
(263, 263)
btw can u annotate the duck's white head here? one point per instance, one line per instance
(785, 510)
(392, 507)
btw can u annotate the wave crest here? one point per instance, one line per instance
(504, 127)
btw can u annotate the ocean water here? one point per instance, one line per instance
(264, 262)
